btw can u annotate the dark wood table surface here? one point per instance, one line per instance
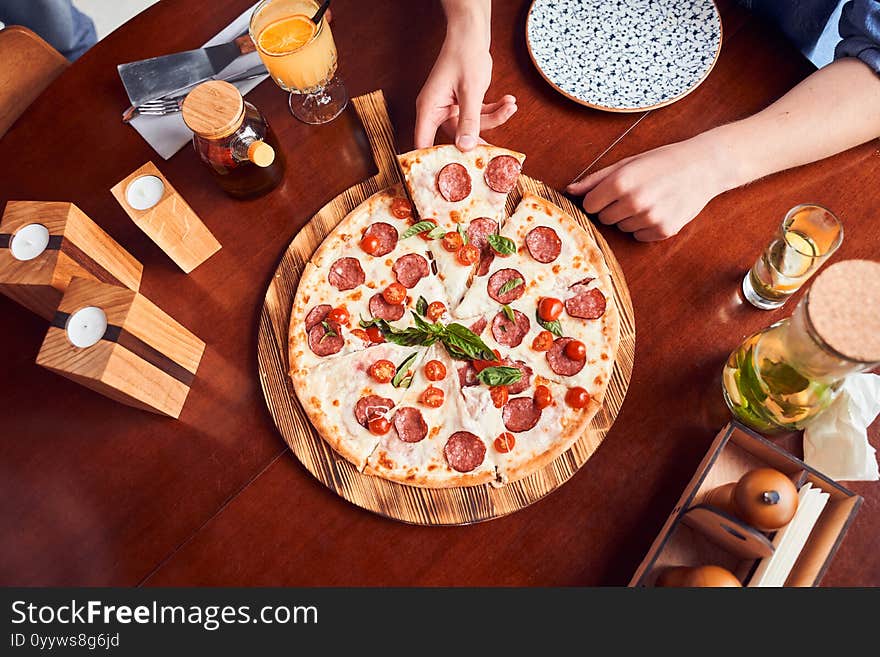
(97, 493)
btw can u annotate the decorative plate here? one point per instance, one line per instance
(624, 55)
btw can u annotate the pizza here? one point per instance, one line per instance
(436, 342)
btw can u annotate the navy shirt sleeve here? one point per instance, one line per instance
(860, 32)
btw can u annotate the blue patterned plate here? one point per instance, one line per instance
(624, 55)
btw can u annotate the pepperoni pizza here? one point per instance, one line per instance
(437, 343)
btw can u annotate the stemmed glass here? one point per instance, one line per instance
(301, 57)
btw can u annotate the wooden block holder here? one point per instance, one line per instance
(76, 246)
(166, 218)
(696, 534)
(144, 358)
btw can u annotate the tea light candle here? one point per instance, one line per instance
(144, 192)
(29, 242)
(86, 326)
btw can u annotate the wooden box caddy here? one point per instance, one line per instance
(144, 358)
(694, 535)
(77, 246)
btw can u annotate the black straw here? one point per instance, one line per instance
(320, 14)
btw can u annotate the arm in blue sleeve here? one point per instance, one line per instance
(860, 32)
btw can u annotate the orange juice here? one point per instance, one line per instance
(300, 56)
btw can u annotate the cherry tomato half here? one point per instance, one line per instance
(401, 208)
(577, 397)
(543, 397)
(382, 371)
(375, 335)
(436, 310)
(468, 254)
(576, 350)
(543, 341)
(370, 244)
(339, 315)
(549, 309)
(480, 365)
(362, 334)
(499, 395)
(505, 442)
(435, 370)
(452, 241)
(379, 425)
(433, 397)
(394, 294)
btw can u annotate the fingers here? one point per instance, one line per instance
(427, 122)
(587, 183)
(618, 211)
(653, 234)
(492, 116)
(468, 120)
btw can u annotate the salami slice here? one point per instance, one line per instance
(486, 258)
(323, 343)
(371, 406)
(454, 182)
(586, 305)
(346, 274)
(559, 362)
(317, 315)
(525, 381)
(502, 173)
(383, 310)
(520, 414)
(410, 425)
(467, 375)
(479, 326)
(479, 230)
(386, 234)
(499, 279)
(464, 451)
(410, 269)
(510, 333)
(543, 244)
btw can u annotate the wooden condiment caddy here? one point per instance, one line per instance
(57, 241)
(117, 342)
(697, 533)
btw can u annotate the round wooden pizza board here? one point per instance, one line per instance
(423, 506)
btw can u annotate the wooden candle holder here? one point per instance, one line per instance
(160, 211)
(140, 356)
(697, 533)
(76, 246)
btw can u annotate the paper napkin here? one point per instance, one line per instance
(836, 442)
(168, 134)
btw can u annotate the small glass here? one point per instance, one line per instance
(809, 234)
(300, 57)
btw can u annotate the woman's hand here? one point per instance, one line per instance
(655, 194)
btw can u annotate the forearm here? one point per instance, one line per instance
(469, 16)
(836, 108)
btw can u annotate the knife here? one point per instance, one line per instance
(153, 78)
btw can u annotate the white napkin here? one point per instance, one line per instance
(836, 442)
(168, 134)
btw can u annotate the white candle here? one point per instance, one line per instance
(86, 326)
(29, 242)
(144, 192)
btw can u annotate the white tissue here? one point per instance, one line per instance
(836, 442)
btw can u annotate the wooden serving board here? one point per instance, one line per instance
(423, 506)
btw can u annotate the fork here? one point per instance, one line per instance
(173, 103)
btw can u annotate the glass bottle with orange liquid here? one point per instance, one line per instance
(300, 57)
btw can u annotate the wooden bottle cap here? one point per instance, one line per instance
(261, 153)
(213, 109)
(844, 308)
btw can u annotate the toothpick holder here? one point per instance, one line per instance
(44, 244)
(119, 343)
(160, 211)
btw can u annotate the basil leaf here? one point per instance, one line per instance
(461, 231)
(554, 327)
(501, 244)
(328, 330)
(417, 228)
(499, 376)
(375, 321)
(422, 306)
(410, 337)
(437, 233)
(464, 344)
(508, 312)
(401, 380)
(510, 285)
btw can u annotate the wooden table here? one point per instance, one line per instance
(96, 493)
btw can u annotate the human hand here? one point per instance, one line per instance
(452, 96)
(655, 194)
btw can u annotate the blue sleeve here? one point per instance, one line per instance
(860, 32)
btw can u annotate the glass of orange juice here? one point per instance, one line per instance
(300, 56)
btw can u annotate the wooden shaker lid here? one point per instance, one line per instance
(213, 109)
(844, 309)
